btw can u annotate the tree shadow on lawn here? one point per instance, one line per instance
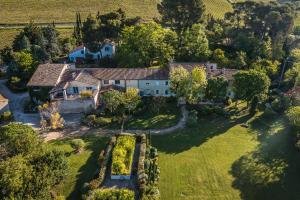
(188, 138)
(89, 170)
(272, 171)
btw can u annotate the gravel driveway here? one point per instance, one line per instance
(16, 104)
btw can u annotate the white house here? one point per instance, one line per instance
(107, 49)
(67, 83)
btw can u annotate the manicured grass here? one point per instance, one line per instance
(82, 166)
(208, 161)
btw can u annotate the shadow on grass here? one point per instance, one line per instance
(87, 172)
(187, 138)
(272, 171)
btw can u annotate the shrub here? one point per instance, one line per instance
(6, 116)
(116, 194)
(122, 155)
(280, 104)
(192, 118)
(85, 94)
(78, 145)
(293, 115)
(297, 145)
(94, 121)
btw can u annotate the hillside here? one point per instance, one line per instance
(15, 11)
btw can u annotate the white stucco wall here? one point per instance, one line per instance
(4, 106)
(154, 87)
(77, 54)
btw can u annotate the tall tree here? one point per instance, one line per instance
(194, 45)
(180, 15)
(90, 35)
(248, 84)
(216, 89)
(146, 45)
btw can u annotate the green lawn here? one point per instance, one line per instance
(82, 166)
(210, 161)
(168, 116)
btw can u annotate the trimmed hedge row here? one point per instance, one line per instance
(141, 175)
(103, 160)
(116, 194)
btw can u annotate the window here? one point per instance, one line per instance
(82, 52)
(106, 48)
(157, 91)
(89, 88)
(167, 83)
(166, 92)
(147, 83)
(75, 90)
(117, 82)
(212, 67)
(106, 82)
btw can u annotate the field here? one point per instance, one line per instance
(220, 159)
(82, 166)
(7, 35)
(14, 11)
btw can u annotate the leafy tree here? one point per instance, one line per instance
(293, 115)
(146, 45)
(190, 86)
(90, 33)
(6, 55)
(28, 170)
(292, 75)
(19, 139)
(77, 29)
(219, 57)
(131, 99)
(21, 42)
(194, 45)
(181, 15)
(112, 100)
(179, 80)
(216, 89)
(248, 84)
(267, 66)
(197, 84)
(241, 60)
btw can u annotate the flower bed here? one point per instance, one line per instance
(122, 157)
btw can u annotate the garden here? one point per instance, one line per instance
(151, 113)
(122, 157)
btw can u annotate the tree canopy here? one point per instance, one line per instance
(248, 84)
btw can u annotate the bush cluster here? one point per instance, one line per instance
(148, 171)
(6, 116)
(116, 194)
(122, 155)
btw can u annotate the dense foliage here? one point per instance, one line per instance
(293, 114)
(122, 155)
(145, 45)
(248, 84)
(28, 169)
(107, 194)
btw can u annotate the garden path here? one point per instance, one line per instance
(77, 131)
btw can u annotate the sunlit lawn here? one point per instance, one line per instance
(82, 166)
(206, 162)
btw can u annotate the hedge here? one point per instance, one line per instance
(103, 159)
(116, 194)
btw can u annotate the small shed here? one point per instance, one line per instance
(4, 106)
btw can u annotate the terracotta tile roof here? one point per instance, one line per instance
(187, 66)
(129, 73)
(225, 73)
(3, 98)
(46, 75)
(293, 92)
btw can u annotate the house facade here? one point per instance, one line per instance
(106, 50)
(79, 89)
